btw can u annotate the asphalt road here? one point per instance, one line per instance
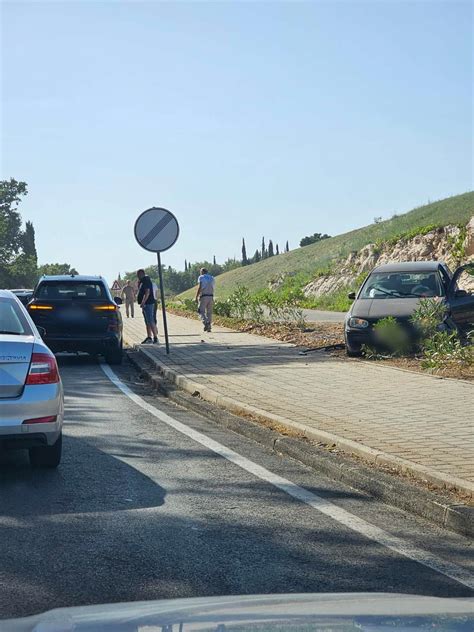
(319, 316)
(139, 510)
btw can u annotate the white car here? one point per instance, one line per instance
(31, 392)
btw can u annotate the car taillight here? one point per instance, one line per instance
(43, 369)
(46, 308)
(105, 308)
(41, 420)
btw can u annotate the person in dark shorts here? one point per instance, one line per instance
(146, 300)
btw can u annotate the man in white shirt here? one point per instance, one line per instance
(205, 297)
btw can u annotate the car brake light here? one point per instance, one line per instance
(43, 369)
(105, 308)
(43, 307)
(41, 420)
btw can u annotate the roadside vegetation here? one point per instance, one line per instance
(437, 349)
(323, 254)
(18, 256)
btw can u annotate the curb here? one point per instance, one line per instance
(351, 447)
(399, 493)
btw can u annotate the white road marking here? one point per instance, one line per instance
(458, 574)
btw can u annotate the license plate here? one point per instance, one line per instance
(73, 315)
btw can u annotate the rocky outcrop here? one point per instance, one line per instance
(440, 244)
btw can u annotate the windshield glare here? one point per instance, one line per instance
(402, 284)
(12, 320)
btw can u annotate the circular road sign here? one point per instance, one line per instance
(156, 229)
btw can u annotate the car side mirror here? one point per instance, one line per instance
(41, 331)
(460, 293)
(118, 300)
(351, 295)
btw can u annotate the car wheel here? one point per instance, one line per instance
(114, 357)
(352, 354)
(47, 456)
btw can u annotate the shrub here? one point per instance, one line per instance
(189, 305)
(222, 308)
(444, 350)
(429, 316)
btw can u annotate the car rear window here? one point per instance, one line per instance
(68, 290)
(384, 285)
(12, 319)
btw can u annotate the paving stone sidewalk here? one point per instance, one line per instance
(415, 421)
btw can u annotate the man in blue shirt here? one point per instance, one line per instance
(146, 300)
(205, 297)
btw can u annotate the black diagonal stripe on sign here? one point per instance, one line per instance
(164, 221)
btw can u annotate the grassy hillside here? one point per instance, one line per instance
(315, 257)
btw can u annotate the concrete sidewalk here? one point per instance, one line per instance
(407, 420)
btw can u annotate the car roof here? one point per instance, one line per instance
(409, 266)
(72, 277)
(7, 294)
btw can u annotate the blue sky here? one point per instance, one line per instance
(244, 119)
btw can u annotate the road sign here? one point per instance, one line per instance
(156, 229)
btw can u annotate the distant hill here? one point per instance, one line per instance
(315, 257)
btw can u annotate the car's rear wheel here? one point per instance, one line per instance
(115, 356)
(48, 455)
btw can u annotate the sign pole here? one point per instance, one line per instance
(163, 307)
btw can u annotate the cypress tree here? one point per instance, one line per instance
(277, 250)
(287, 247)
(29, 246)
(245, 261)
(270, 248)
(264, 250)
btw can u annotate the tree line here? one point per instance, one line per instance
(177, 281)
(18, 256)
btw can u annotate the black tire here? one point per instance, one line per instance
(115, 356)
(352, 354)
(47, 456)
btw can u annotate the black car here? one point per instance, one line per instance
(78, 313)
(395, 289)
(23, 294)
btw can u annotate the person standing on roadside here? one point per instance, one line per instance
(155, 294)
(128, 295)
(146, 300)
(205, 297)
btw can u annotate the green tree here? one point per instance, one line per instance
(17, 248)
(56, 268)
(287, 247)
(29, 245)
(264, 250)
(245, 261)
(270, 248)
(277, 250)
(312, 239)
